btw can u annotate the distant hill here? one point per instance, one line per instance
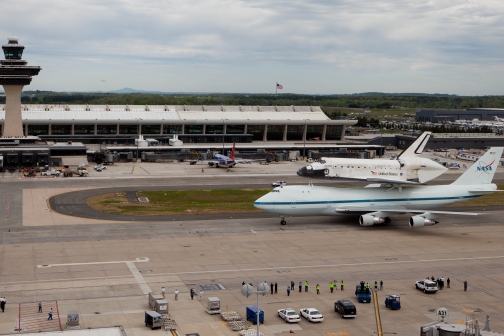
(130, 90)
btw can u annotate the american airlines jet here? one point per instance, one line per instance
(378, 203)
(407, 168)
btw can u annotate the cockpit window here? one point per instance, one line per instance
(275, 190)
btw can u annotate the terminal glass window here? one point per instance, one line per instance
(83, 129)
(38, 129)
(172, 129)
(106, 129)
(295, 132)
(61, 129)
(128, 129)
(333, 132)
(214, 129)
(151, 129)
(275, 132)
(235, 129)
(314, 131)
(257, 131)
(193, 129)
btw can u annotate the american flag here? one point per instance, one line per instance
(279, 87)
(373, 173)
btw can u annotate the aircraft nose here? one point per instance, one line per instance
(309, 171)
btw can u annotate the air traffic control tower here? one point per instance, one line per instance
(14, 75)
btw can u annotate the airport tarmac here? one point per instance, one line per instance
(105, 268)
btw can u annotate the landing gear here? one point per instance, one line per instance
(388, 220)
(282, 220)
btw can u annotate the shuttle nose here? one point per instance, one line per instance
(311, 172)
(430, 170)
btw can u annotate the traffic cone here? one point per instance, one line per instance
(292, 331)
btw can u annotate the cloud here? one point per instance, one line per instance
(311, 46)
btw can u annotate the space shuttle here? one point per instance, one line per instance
(407, 168)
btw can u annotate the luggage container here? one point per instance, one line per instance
(153, 297)
(252, 312)
(213, 305)
(153, 320)
(162, 306)
(73, 319)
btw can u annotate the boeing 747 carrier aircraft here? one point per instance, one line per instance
(378, 203)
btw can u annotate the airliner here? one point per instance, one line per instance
(408, 168)
(377, 203)
(226, 161)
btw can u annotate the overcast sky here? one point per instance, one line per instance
(308, 46)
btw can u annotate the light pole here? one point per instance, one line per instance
(222, 136)
(262, 289)
(138, 140)
(305, 133)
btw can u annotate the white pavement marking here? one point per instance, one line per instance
(253, 231)
(131, 266)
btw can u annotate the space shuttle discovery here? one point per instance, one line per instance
(407, 168)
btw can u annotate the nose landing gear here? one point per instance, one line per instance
(282, 220)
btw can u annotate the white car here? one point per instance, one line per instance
(427, 286)
(100, 167)
(289, 315)
(311, 314)
(278, 183)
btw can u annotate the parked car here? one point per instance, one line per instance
(100, 167)
(311, 314)
(278, 183)
(345, 308)
(289, 315)
(52, 172)
(427, 286)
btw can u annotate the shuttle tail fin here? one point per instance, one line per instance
(416, 147)
(483, 170)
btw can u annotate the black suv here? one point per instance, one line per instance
(345, 308)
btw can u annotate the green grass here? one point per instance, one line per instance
(180, 202)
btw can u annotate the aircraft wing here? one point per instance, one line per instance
(400, 210)
(476, 191)
(379, 180)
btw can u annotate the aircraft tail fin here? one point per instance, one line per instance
(483, 170)
(232, 156)
(416, 147)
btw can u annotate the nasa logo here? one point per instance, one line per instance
(484, 167)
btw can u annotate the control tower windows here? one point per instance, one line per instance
(106, 129)
(295, 132)
(83, 129)
(12, 53)
(38, 129)
(61, 129)
(333, 132)
(172, 129)
(128, 129)
(214, 129)
(151, 129)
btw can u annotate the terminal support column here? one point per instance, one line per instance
(13, 125)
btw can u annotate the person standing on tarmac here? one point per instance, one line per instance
(271, 286)
(381, 284)
(292, 285)
(448, 282)
(300, 286)
(376, 285)
(276, 288)
(367, 287)
(465, 286)
(288, 290)
(331, 286)
(306, 286)
(318, 289)
(342, 285)
(335, 284)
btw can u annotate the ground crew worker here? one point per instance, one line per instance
(335, 284)
(300, 286)
(465, 286)
(318, 289)
(288, 290)
(342, 284)
(331, 286)
(367, 287)
(448, 282)
(306, 286)
(381, 284)
(276, 288)
(375, 285)
(292, 285)
(271, 285)
(202, 170)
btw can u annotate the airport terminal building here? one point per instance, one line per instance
(121, 124)
(440, 115)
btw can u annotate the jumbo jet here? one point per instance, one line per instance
(224, 161)
(407, 168)
(378, 203)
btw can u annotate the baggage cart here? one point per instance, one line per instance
(252, 312)
(153, 319)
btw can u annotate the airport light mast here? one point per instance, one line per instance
(14, 75)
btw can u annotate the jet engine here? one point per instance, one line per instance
(419, 221)
(368, 220)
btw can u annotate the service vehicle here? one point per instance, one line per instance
(52, 172)
(289, 315)
(311, 314)
(252, 312)
(278, 183)
(427, 286)
(363, 294)
(100, 167)
(345, 308)
(393, 302)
